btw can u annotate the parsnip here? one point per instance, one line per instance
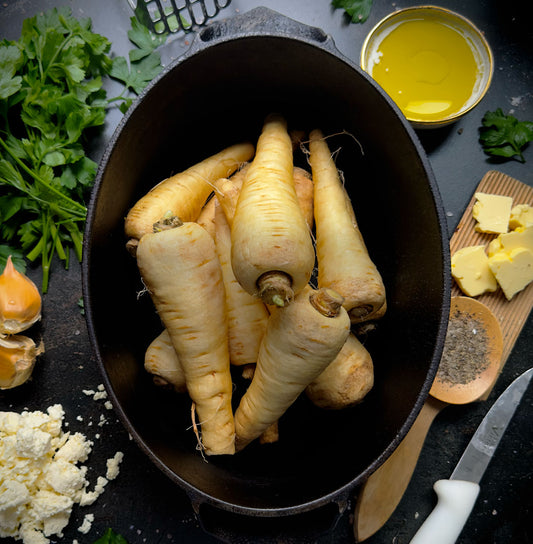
(181, 271)
(206, 218)
(347, 380)
(247, 315)
(303, 184)
(301, 339)
(272, 251)
(343, 260)
(184, 193)
(227, 194)
(162, 362)
(228, 191)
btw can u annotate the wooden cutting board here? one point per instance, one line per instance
(380, 495)
(512, 314)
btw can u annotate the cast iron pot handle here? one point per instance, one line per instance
(301, 527)
(261, 21)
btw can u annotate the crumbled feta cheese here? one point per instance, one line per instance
(32, 443)
(40, 479)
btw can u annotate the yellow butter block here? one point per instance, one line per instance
(521, 237)
(513, 270)
(492, 213)
(471, 271)
(521, 216)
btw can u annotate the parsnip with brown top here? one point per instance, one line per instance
(184, 194)
(343, 260)
(346, 381)
(272, 251)
(301, 340)
(180, 268)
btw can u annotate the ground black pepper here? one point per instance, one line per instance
(466, 349)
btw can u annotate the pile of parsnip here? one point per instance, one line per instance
(227, 249)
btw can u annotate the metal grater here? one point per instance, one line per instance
(171, 16)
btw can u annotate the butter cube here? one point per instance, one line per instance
(492, 213)
(521, 237)
(513, 270)
(521, 216)
(471, 271)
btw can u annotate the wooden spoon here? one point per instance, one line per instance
(382, 492)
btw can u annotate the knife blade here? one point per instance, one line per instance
(457, 496)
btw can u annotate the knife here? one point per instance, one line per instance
(457, 496)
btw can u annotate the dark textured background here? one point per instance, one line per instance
(142, 504)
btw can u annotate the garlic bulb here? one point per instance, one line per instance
(17, 360)
(20, 301)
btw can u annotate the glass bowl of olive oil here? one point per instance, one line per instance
(435, 64)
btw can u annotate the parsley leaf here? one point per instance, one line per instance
(357, 10)
(51, 101)
(139, 74)
(145, 40)
(504, 135)
(144, 62)
(16, 257)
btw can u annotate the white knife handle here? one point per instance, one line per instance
(456, 498)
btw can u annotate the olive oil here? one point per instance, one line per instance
(427, 67)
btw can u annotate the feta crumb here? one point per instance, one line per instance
(87, 524)
(88, 392)
(113, 465)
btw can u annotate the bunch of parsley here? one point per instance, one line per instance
(51, 100)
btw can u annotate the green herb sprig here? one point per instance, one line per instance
(52, 100)
(504, 135)
(357, 10)
(110, 537)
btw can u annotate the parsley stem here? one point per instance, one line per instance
(77, 205)
(76, 237)
(36, 251)
(58, 50)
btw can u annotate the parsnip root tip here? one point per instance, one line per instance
(168, 221)
(275, 288)
(327, 301)
(195, 426)
(360, 312)
(131, 246)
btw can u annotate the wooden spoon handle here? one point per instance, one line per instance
(381, 493)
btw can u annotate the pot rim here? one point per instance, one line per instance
(198, 47)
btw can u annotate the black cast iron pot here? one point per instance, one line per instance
(218, 93)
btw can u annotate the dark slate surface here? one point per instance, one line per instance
(142, 504)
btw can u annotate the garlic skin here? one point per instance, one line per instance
(17, 359)
(20, 301)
